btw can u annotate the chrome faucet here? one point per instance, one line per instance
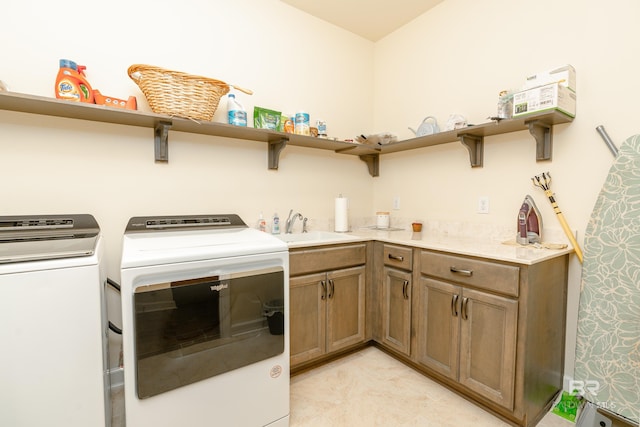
(290, 220)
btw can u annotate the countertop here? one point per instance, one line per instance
(462, 245)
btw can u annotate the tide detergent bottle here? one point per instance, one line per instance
(71, 83)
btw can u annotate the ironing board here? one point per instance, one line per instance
(608, 337)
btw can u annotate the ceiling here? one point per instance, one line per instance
(371, 19)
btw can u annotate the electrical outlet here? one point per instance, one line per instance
(483, 205)
(396, 203)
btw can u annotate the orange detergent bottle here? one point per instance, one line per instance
(71, 83)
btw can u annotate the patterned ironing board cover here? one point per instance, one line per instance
(608, 339)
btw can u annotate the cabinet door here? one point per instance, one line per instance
(307, 317)
(345, 308)
(488, 345)
(396, 310)
(438, 326)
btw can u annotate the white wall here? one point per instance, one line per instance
(453, 59)
(456, 59)
(289, 59)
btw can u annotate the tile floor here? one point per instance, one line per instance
(370, 388)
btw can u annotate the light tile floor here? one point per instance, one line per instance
(370, 388)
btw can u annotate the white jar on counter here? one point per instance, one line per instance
(382, 219)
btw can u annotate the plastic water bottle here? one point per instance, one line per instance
(237, 116)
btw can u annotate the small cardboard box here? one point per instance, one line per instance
(565, 76)
(548, 97)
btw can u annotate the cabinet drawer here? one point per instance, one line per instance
(398, 256)
(326, 258)
(481, 274)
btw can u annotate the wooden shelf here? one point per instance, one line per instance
(161, 124)
(472, 137)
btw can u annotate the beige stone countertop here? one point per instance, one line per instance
(485, 247)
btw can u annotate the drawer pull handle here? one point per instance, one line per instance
(332, 288)
(454, 305)
(396, 257)
(461, 271)
(324, 289)
(463, 309)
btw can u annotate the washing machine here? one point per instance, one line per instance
(205, 323)
(53, 356)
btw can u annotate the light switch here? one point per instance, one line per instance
(396, 203)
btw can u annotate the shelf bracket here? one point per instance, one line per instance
(373, 163)
(275, 147)
(544, 139)
(475, 145)
(161, 141)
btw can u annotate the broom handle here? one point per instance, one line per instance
(565, 226)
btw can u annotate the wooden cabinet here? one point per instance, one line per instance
(438, 327)
(307, 318)
(488, 345)
(345, 308)
(396, 299)
(327, 308)
(470, 337)
(493, 331)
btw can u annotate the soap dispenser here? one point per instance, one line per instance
(262, 224)
(275, 225)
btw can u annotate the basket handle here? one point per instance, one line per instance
(247, 91)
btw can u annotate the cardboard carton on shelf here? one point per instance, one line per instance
(548, 97)
(565, 76)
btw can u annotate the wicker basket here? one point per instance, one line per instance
(178, 94)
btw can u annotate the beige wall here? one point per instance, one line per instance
(454, 59)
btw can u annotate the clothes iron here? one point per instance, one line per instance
(529, 223)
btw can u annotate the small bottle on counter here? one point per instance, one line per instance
(262, 224)
(275, 225)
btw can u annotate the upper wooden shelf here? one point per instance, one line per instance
(472, 137)
(55, 107)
